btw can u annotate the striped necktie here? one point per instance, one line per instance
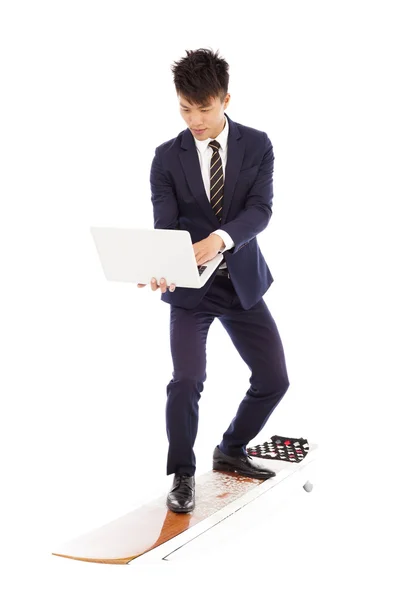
(216, 180)
(217, 185)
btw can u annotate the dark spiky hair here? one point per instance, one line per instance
(200, 75)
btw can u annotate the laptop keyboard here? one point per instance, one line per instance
(201, 268)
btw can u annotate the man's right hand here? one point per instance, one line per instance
(155, 286)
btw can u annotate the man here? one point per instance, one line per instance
(215, 181)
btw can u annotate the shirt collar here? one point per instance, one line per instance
(222, 139)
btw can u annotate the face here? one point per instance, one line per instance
(204, 121)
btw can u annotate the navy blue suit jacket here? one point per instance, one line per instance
(180, 202)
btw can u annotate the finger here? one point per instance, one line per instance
(172, 287)
(163, 285)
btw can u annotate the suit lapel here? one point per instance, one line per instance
(191, 166)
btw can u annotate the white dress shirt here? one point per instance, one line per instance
(204, 153)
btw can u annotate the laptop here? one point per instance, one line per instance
(137, 255)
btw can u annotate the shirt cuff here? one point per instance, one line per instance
(226, 238)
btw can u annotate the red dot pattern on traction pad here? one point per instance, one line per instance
(281, 448)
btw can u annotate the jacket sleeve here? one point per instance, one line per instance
(165, 204)
(255, 215)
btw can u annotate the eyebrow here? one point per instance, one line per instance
(201, 105)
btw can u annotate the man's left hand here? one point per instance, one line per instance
(208, 248)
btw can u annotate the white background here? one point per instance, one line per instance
(86, 96)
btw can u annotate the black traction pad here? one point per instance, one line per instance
(281, 448)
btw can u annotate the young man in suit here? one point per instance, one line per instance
(215, 180)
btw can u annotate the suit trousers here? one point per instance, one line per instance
(256, 338)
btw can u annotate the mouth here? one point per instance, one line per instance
(199, 130)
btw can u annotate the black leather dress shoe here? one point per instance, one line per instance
(243, 464)
(181, 497)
